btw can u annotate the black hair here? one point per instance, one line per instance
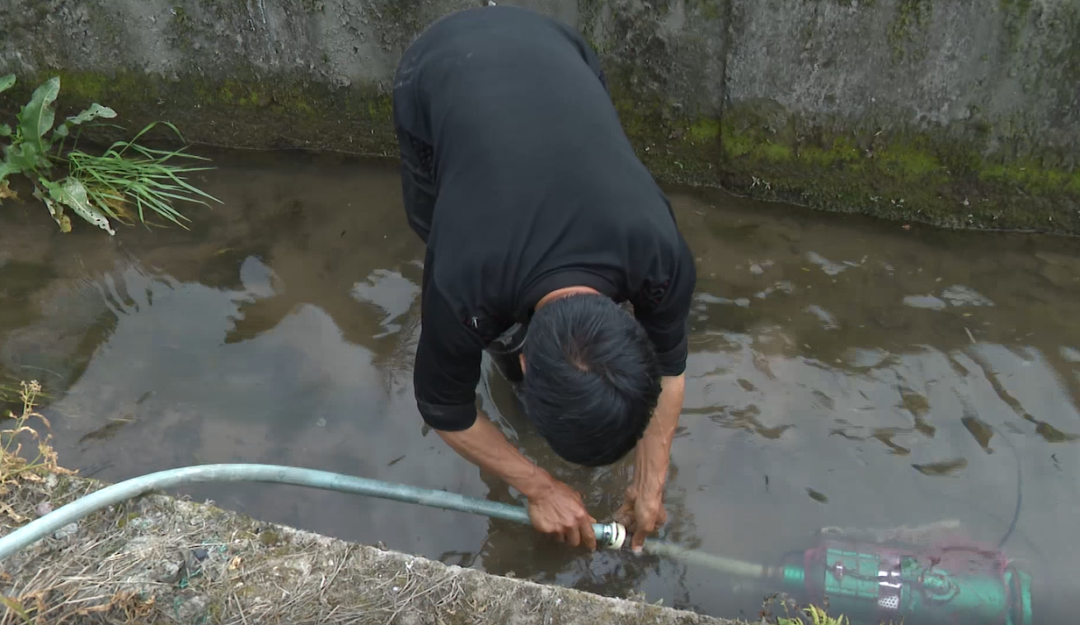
(592, 379)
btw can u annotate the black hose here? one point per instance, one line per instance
(1019, 493)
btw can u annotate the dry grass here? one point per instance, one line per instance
(19, 473)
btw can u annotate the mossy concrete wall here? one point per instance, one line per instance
(960, 112)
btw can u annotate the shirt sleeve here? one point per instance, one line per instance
(664, 311)
(447, 368)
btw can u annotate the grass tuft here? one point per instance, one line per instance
(129, 173)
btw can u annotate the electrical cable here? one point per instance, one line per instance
(1019, 494)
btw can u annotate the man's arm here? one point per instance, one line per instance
(654, 449)
(554, 508)
(652, 457)
(666, 320)
(445, 377)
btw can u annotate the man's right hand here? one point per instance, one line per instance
(560, 512)
(554, 507)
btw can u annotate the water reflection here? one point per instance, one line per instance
(843, 373)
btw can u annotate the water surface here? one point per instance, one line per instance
(843, 372)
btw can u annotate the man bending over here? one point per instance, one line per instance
(541, 226)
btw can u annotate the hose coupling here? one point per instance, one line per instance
(610, 535)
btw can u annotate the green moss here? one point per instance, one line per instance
(1033, 176)
(932, 176)
(90, 87)
(912, 16)
(1014, 17)
(674, 148)
(676, 138)
(842, 150)
(909, 161)
(773, 152)
(280, 111)
(705, 130)
(712, 10)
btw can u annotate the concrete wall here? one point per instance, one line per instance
(956, 112)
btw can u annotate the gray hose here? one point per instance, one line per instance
(608, 535)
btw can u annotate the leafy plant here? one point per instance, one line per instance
(95, 187)
(816, 615)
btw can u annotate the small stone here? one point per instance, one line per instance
(192, 610)
(68, 530)
(43, 508)
(167, 572)
(51, 481)
(200, 553)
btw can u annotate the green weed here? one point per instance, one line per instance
(816, 616)
(96, 187)
(143, 176)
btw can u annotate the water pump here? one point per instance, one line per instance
(947, 581)
(872, 583)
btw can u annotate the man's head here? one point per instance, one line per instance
(591, 380)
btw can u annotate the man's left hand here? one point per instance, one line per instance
(642, 513)
(643, 510)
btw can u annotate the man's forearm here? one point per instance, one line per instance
(486, 447)
(653, 453)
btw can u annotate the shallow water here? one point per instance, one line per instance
(844, 372)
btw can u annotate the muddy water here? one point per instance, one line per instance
(843, 373)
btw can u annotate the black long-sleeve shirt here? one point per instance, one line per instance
(536, 188)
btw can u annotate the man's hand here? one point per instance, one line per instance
(554, 508)
(560, 512)
(643, 510)
(641, 515)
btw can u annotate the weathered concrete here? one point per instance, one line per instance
(161, 560)
(961, 113)
(964, 110)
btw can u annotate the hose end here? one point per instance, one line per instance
(610, 535)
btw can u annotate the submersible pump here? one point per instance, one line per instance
(875, 583)
(872, 583)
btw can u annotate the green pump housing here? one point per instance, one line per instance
(873, 584)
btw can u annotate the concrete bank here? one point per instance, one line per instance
(962, 113)
(162, 560)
